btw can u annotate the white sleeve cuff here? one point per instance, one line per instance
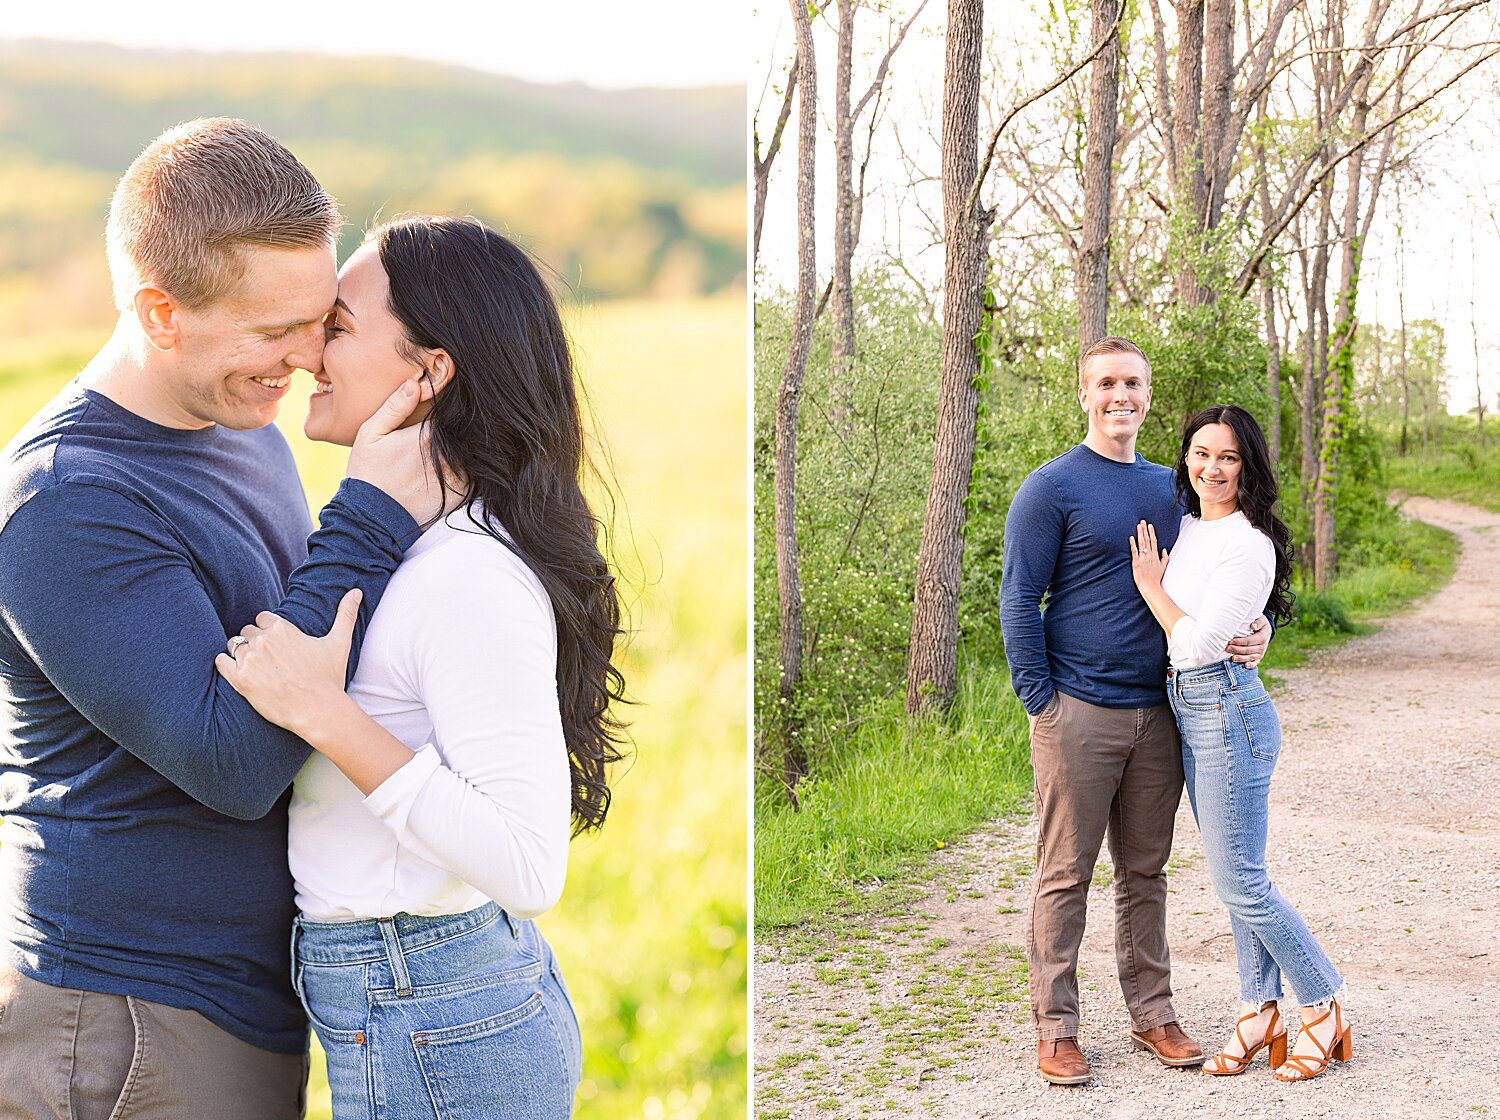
(392, 799)
(1180, 643)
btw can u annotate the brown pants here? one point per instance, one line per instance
(1098, 770)
(73, 1055)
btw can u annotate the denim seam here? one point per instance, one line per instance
(383, 995)
(1232, 823)
(1303, 955)
(1234, 832)
(447, 937)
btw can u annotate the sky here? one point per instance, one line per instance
(1450, 229)
(609, 44)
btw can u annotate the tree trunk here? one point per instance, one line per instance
(1218, 85)
(1338, 373)
(1273, 369)
(1187, 139)
(842, 291)
(1093, 259)
(1268, 306)
(788, 397)
(762, 163)
(1405, 381)
(1317, 318)
(932, 661)
(1474, 331)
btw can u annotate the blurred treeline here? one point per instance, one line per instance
(622, 193)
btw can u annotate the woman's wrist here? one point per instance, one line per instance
(322, 725)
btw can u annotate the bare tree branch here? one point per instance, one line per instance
(1288, 210)
(989, 153)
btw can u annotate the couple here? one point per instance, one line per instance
(1111, 746)
(175, 650)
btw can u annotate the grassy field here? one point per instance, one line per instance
(651, 931)
(1463, 470)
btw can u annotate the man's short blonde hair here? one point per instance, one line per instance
(195, 196)
(1110, 344)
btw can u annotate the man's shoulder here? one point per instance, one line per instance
(29, 462)
(1153, 470)
(1057, 463)
(1052, 473)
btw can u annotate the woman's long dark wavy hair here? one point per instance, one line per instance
(1258, 491)
(508, 423)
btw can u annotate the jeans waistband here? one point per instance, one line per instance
(1231, 672)
(374, 939)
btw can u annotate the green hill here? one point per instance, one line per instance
(623, 192)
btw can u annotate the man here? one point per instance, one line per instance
(1091, 671)
(146, 514)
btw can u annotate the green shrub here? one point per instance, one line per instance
(1314, 613)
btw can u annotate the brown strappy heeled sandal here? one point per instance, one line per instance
(1342, 1048)
(1228, 1065)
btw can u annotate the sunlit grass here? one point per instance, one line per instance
(1464, 470)
(897, 792)
(651, 931)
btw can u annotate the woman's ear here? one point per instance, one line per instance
(439, 368)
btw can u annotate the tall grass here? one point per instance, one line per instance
(651, 931)
(1459, 467)
(896, 791)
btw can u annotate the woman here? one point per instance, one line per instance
(1232, 557)
(442, 782)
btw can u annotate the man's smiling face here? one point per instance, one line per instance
(1115, 396)
(235, 358)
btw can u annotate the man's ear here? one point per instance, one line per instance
(439, 372)
(159, 317)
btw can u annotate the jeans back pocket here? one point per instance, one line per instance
(508, 1065)
(1257, 715)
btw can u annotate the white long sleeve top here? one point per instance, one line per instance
(459, 663)
(1220, 574)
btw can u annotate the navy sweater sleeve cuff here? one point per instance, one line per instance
(377, 507)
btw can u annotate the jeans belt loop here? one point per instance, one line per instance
(393, 955)
(510, 924)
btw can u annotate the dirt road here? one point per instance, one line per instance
(1385, 832)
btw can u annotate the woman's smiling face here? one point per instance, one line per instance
(1213, 465)
(363, 359)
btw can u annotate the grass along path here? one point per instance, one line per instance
(1385, 826)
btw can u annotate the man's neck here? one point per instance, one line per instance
(122, 371)
(1119, 451)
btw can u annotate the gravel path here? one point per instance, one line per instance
(1385, 832)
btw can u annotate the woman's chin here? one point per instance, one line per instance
(319, 430)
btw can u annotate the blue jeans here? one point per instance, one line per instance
(457, 1016)
(1231, 737)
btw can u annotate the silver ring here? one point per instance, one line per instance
(235, 643)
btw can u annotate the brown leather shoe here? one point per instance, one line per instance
(1171, 1046)
(1062, 1062)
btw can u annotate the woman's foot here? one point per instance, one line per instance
(1259, 1026)
(1325, 1035)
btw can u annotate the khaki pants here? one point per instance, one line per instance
(75, 1055)
(1102, 770)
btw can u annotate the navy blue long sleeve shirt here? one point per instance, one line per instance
(144, 844)
(1067, 538)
